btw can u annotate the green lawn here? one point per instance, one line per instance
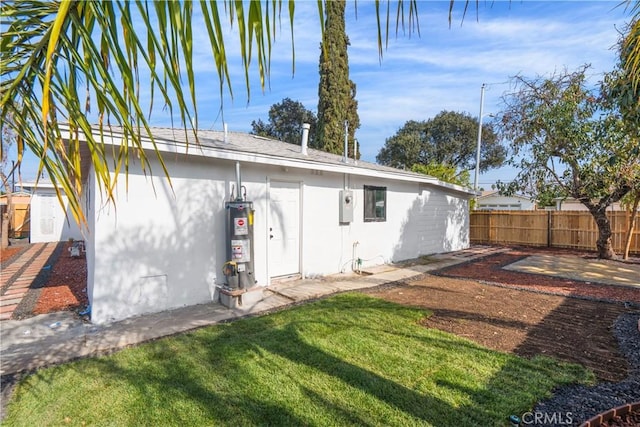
(346, 360)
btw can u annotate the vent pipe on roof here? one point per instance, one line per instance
(305, 138)
(226, 131)
(345, 159)
(355, 151)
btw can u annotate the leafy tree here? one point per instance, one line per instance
(285, 122)
(546, 195)
(7, 138)
(562, 132)
(336, 92)
(450, 138)
(630, 49)
(445, 173)
(620, 93)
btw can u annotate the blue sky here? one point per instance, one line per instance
(442, 69)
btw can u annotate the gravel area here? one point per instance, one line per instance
(586, 402)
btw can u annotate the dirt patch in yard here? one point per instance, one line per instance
(525, 314)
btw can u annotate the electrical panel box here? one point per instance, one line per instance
(346, 206)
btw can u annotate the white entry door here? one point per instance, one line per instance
(284, 228)
(48, 205)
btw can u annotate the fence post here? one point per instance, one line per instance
(548, 229)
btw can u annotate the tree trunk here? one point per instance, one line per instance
(605, 248)
(632, 223)
(9, 212)
(4, 239)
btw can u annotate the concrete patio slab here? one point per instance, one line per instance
(579, 268)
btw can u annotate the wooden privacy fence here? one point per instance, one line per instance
(560, 229)
(20, 221)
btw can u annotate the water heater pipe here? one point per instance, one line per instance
(238, 182)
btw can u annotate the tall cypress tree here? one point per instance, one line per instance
(336, 92)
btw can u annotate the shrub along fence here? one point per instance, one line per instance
(559, 229)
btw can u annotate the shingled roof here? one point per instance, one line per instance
(253, 148)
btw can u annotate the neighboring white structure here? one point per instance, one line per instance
(163, 245)
(571, 204)
(50, 222)
(493, 201)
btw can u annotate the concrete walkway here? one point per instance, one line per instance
(578, 268)
(55, 338)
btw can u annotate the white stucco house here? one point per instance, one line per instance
(49, 220)
(571, 204)
(163, 245)
(494, 201)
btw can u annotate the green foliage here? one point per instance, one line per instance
(345, 360)
(64, 61)
(630, 49)
(545, 195)
(285, 122)
(450, 138)
(446, 173)
(619, 90)
(568, 136)
(336, 92)
(562, 134)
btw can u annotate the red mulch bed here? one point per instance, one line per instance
(7, 253)
(66, 286)
(490, 269)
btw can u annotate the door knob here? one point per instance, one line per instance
(271, 236)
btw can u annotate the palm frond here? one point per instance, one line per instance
(68, 63)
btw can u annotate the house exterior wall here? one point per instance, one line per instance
(162, 250)
(90, 206)
(575, 205)
(505, 203)
(51, 222)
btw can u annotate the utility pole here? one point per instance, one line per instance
(475, 181)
